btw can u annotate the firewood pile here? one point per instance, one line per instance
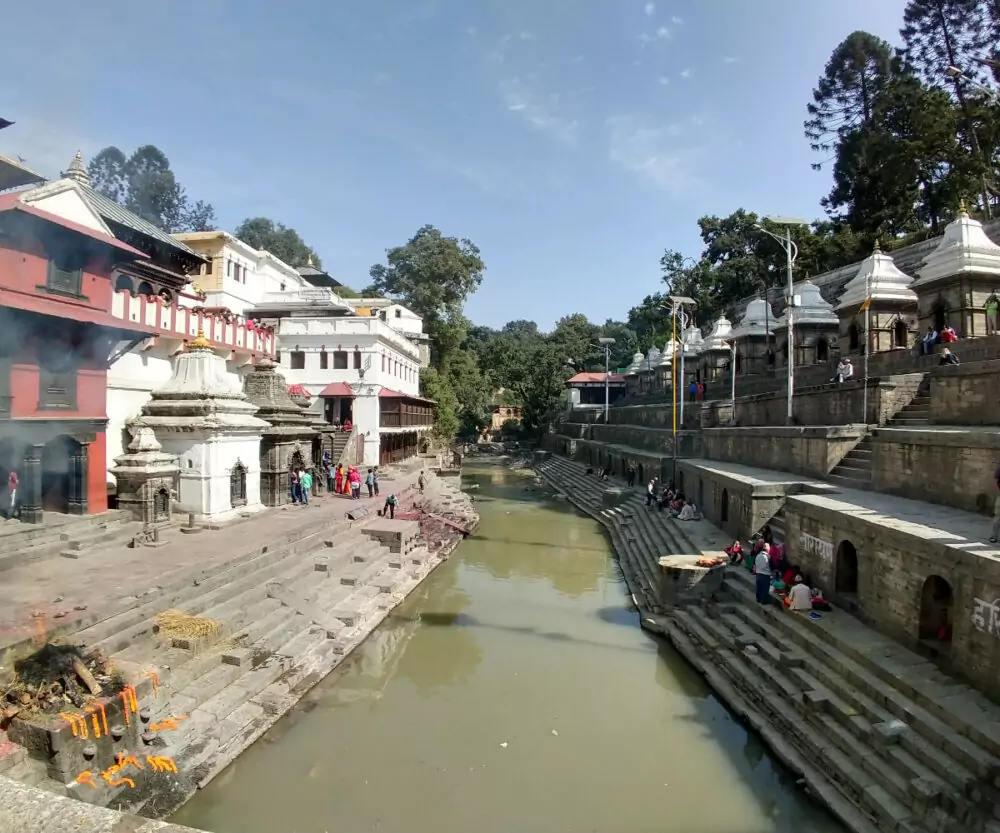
(57, 676)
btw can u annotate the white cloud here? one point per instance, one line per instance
(663, 80)
(677, 21)
(540, 111)
(686, 73)
(730, 59)
(663, 33)
(654, 153)
(645, 37)
(650, 9)
(525, 36)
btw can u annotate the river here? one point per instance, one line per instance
(513, 692)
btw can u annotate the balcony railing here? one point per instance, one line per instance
(397, 419)
(231, 332)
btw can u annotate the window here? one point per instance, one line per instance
(282, 286)
(64, 278)
(277, 357)
(324, 360)
(208, 267)
(383, 362)
(357, 360)
(298, 360)
(56, 389)
(340, 360)
(229, 268)
(399, 313)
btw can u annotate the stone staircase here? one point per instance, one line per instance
(285, 618)
(646, 534)
(917, 413)
(338, 442)
(22, 543)
(855, 470)
(909, 749)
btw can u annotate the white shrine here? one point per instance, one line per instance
(202, 416)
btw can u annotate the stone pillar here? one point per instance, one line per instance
(78, 475)
(30, 498)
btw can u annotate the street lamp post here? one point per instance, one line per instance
(732, 380)
(677, 304)
(791, 253)
(606, 345)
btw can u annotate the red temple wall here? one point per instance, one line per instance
(97, 489)
(26, 267)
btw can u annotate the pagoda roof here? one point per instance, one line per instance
(964, 248)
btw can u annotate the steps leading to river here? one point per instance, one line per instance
(274, 624)
(881, 736)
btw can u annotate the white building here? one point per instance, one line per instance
(237, 276)
(355, 363)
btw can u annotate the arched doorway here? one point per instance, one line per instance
(161, 506)
(57, 470)
(724, 506)
(899, 334)
(124, 284)
(846, 573)
(937, 313)
(145, 288)
(853, 337)
(642, 473)
(822, 350)
(936, 600)
(739, 362)
(238, 485)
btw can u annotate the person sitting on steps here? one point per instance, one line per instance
(947, 357)
(845, 371)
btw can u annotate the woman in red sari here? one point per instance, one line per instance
(339, 479)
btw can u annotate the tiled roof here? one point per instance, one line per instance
(590, 378)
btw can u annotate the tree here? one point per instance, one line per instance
(576, 337)
(282, 242)
(845, 95)
(145, 185)
(938, 34)
(626, 342)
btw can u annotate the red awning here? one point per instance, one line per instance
(389, 393)
(594, 378)
(69, 310)
(298, 390)
(337, 389)
(12, 202)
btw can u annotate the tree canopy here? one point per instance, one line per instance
(283, 242)
(144, 184)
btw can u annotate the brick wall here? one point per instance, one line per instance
(736, 506)
(968, 394)
(893, 568)
(810, 451)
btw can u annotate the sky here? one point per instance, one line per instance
(571, 140)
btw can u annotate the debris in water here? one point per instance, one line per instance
(554, 732)
(503, 745)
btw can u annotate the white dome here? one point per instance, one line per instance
(693, 341)
(756, 320)
(813, 308)
(881, 279)
(718, 339)
(964, 248)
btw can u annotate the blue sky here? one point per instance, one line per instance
(571, 140)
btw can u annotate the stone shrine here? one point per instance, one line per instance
(290, 437)
(145, 476)
(752, 337)
(716, 354)
(956, 279)
(893, 307)
(201, 416)
(816, 327)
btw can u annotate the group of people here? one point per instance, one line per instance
(669, 497)
(932, 337)
(348, 480)
(776, 579)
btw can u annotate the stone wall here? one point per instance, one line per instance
(615, 459)
(954, 468)
(894, 585)
(967, 394)
(811, 451)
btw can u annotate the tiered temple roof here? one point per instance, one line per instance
(964, 249)
(881, 280)
(813, 310)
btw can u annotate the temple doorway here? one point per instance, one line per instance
(724, 506)
(238, 485)
(56, 469)
(822, 351)
(899, 334)
(846, 574)
(937, 313)
(936, 601)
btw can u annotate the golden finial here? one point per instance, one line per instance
(199, 342)
(963, 208)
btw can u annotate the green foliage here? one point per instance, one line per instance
(283, 242)
(145, 185)
(433, 275)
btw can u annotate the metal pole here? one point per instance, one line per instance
(683, 389)
(791, 326)
(732, 380)
(607, 370)
(868, 345)
(673, 374)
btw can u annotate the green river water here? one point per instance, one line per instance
(513, 692)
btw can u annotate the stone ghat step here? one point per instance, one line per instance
(850, 482)
(953, 771)
(26, 546)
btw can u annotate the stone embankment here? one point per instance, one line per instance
(877, 733)
(211, 665)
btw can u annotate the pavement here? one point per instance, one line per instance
(74, 593)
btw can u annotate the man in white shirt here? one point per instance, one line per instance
(800, 596)
(762, 574)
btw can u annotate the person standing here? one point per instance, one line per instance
(390, 507)
(295, 485)
(992, 306)
(306, 484)
(762, 574)
(370, 483)
(375, 480)
(650, 493)
(630, 475)
(421, 482)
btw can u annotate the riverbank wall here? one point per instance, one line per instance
(208, 667)
(876, 733)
